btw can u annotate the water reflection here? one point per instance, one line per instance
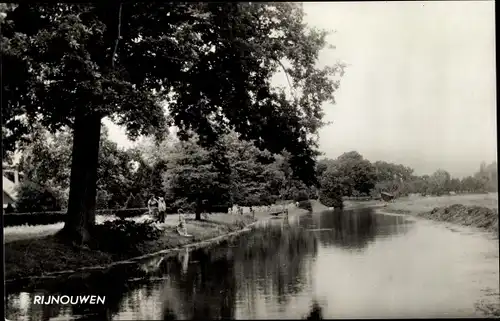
(268, 263)
(354, 229)
(316, 312)
(284, 269)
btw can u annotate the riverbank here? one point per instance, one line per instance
(477, 211)
(48, 255)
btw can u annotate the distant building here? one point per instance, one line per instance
(10, 182)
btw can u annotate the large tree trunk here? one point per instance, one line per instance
(80, 218)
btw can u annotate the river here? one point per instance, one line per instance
(338, 264)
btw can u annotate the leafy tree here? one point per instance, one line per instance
(73, 64)
(114, 174)
(355, 174)
(321, 166)
(388, 171)
(331, 188)
(454, 185)
(193, 176)
(471, 184)
(488, 175)
(256, 176)
(46, 161)
(439, 182)
(35, 198)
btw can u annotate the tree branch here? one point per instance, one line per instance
(118, 36)
(292, 90)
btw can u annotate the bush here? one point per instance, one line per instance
(122, 235)
(129, 212)
(306, 205)
(331, 200)
(35, 198)
(42, 218)
(102, 199)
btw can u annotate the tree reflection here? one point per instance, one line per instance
(347, 229)
(269, 260)
(272, 259)
(316, 312)
(355, 229)
(205, 290)
(202, 284)
(112, 284)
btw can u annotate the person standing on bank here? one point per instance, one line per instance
(153, 207)
(162, 208)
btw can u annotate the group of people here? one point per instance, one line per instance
(157, 208)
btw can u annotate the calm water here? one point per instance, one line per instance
(343, 264)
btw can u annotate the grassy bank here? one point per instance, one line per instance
(475, 216)
(35, 250)
(39, 255)
(479, 211)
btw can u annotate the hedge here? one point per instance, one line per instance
(45, 218)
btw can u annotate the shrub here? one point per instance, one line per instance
(331, 199)
(42, 218)
(306, 205)
(102, 199)
(129, 212)
(35, 198)
(122, 235)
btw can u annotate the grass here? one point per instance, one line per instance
(425, 204)
(22, 232)
(38, 255)
(476, 210)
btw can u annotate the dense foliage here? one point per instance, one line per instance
(193, 178)
(181, 171)
(351, 176)
(35, 198)
(120, 235)
(71, 65)
(46, 161)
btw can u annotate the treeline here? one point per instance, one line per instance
(187, 175)
(233, 172)
(350, 175)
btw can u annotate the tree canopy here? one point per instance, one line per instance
(209, 63)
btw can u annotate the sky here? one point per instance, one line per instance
(420, 87)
